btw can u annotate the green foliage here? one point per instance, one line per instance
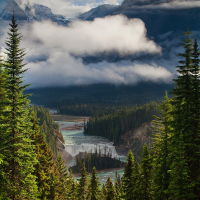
(185, 141)
(161, 148)
(114, 125)
(94, 186)
(110, 193)
(18, 152)
(96, 160)
(170, 171)
(63, 171)
(47, 125)
(72, 187)
(128, 182)
(145, 174)
(45, 160)
(96, 99)
(82, 188)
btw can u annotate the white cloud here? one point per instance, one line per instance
(116, 33)
(50, 47)
(75, 72)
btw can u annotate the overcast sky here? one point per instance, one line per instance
(54, 51)
(50, 49)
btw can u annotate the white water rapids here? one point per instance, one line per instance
(76, 141)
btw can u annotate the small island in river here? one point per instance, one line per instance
(99, 161)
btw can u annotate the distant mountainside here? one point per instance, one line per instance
(100, 11)
(165, 23)
(28, 12)
(158, 20)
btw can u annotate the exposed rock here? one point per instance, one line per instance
(100, 11)
(60, 147)
(8, 11)
(135, 140)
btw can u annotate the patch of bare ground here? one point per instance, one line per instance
(73, 128)
(69, 118)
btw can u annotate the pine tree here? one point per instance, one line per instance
(55, 184)
(18, 151)
(194, 163)
(43, 168)
(94, 187)
(161, 164)
(128, 183)
(82, 189)
(110, 190)
(2, 128)
(63, 171)
(145, 174)
(72, 186)
(117, 190)
(182, 147)
(103, 191)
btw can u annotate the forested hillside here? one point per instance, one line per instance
(114, 125)
(48, 126)
(90, 100)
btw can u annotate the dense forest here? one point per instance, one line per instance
(96, 160)
(48, 126)
(114, 125)
(91, 100)
(170, 170)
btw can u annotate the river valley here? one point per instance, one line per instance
(76, 141)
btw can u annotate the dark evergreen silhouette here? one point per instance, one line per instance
(19, 154)
(96, 160)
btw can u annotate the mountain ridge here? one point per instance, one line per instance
(28, 12)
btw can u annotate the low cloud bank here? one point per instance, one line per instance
(50, 49)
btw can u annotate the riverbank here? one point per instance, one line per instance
(69, 118)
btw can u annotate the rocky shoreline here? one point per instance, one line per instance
(72, 128)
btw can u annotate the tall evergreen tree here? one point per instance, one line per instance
(161, 164)
(63, 171)
(72, 186)
(55, 184)
(194, 163)
(128, 183)
(94, 186)
(2, 128)
(110, 190)
(145, 174)
(17, 149)
(43, 168)
(182, 147)
(82, 189)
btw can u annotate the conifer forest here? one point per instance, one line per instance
(30, 168)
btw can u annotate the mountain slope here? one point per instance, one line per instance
(158, 20)
(100, 11)
(8, 11)
(28, 12)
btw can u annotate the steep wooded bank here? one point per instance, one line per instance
(48, 126)
(54, 138)
(125, 127)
